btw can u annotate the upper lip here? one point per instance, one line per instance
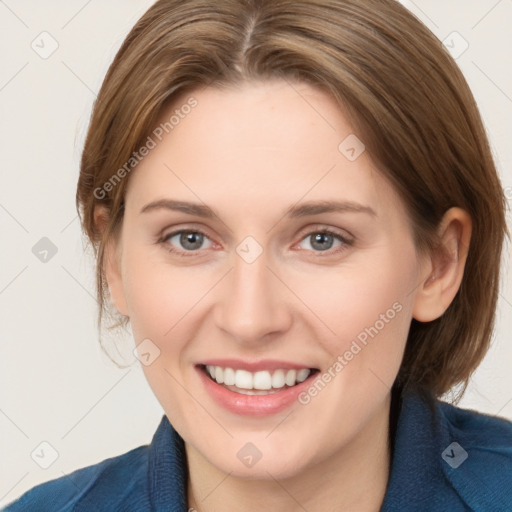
(255, 366)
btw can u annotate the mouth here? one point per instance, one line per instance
(262, 382)
(255, 389)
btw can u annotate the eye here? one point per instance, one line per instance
(188, 241)
(324, 240)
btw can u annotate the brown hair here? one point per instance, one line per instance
(394, 80)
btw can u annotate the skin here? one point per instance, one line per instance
(250, 152)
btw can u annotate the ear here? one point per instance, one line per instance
(444, 268)
(112, 262)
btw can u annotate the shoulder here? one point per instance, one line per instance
(473, 455)
(116, 479)
(146, 478)
(449, 458)
(477, 455)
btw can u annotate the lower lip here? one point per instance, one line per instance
(253, 405)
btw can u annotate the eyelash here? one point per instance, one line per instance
(330, 252)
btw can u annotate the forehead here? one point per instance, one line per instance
(260, 144)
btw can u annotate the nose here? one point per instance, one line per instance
(252, 307)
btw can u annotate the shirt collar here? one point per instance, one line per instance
(414, 474)
(167, 470)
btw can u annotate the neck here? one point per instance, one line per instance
(353, 478)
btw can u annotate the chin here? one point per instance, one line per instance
(260, 456)
(275, 466)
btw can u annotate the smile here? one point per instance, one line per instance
(254, 389)
(257, 383)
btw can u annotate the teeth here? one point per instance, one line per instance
(261, 380)
(291, 377)
(278, 379)
(243, 378)
(229, 377)
(302, 375)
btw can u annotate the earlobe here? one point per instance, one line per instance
(445, 267)
(113, 275)
(112, 264)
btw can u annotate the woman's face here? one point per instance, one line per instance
(225, 266)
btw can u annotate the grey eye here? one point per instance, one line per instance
(186, 240)
(322, 241)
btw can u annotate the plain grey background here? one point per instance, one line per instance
(63, 404)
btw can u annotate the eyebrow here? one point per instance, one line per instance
(294, 211)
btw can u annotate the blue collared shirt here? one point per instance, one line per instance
(444, 459)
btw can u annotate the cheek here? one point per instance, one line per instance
(156, 295)
(367, 305)
(370, 310)
(163, 302)
(163, 299)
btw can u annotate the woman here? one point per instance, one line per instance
(295, 207)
